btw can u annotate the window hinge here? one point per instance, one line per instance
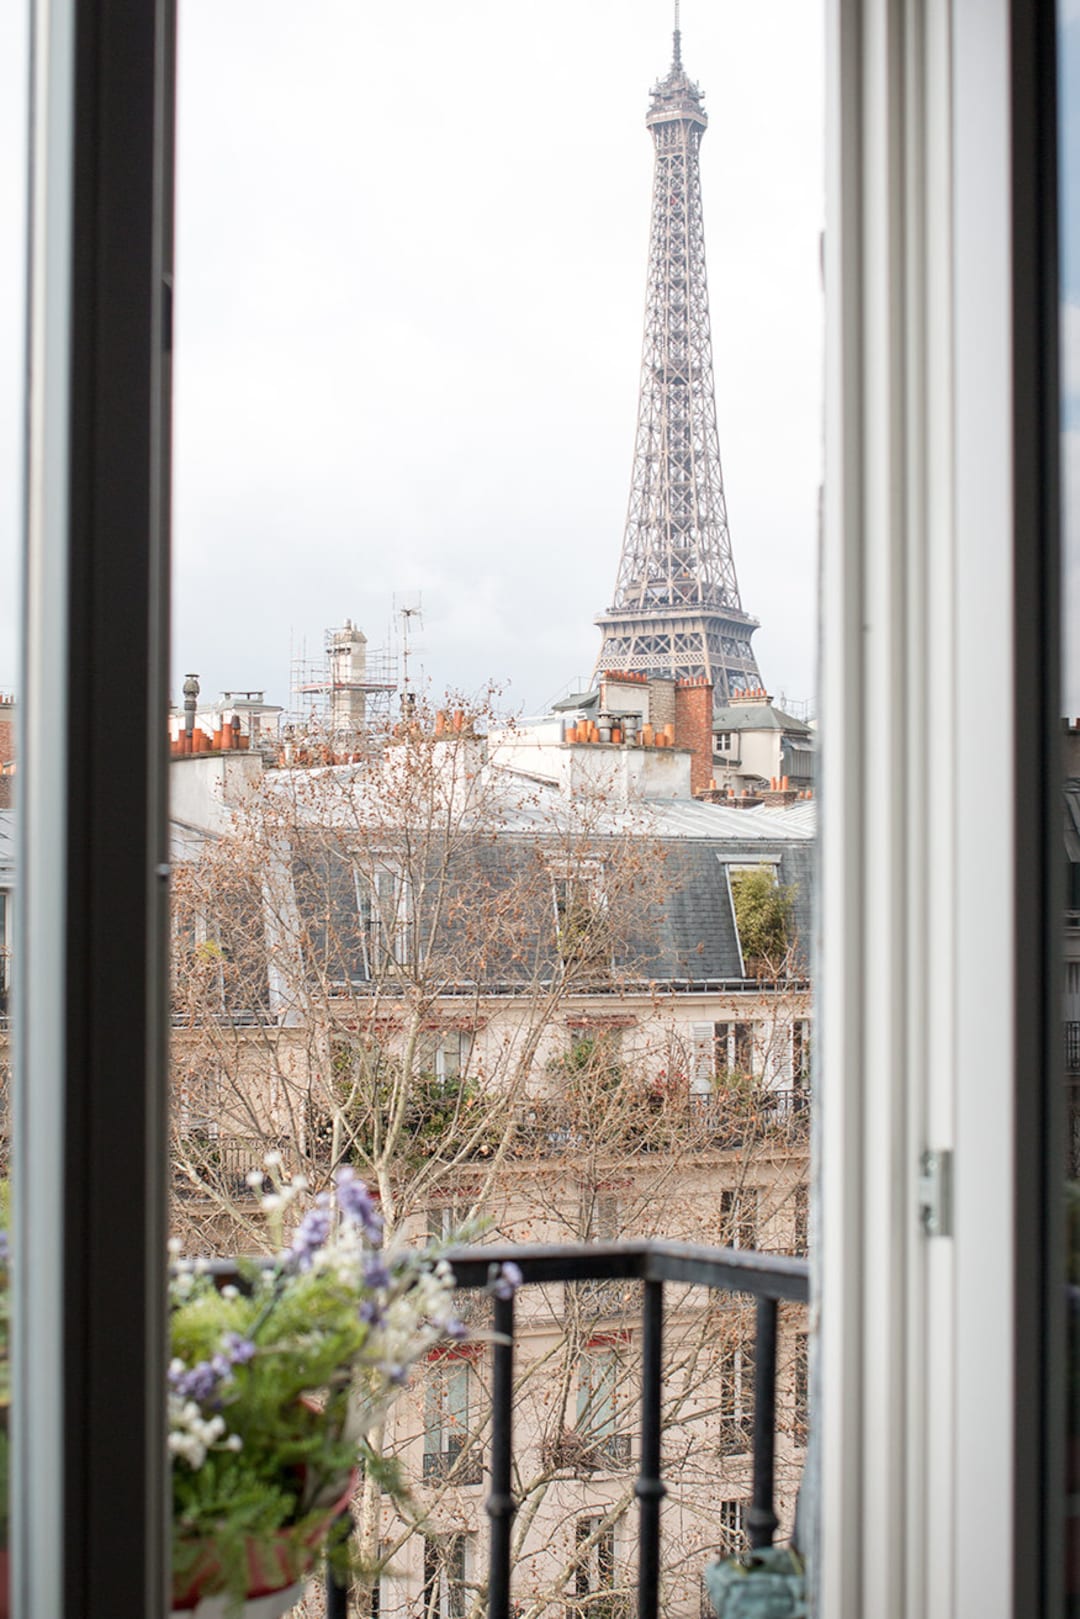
(935, 1193)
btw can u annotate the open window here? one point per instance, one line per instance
(937, 1380)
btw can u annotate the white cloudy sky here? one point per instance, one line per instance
(410, 282)
(411, 264)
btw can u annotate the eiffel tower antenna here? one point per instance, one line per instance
(676, 608)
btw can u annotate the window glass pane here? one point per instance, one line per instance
(492, 800)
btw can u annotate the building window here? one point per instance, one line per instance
(739, 1217)
(384, 933)
(734, 1050)
(582, 925)
(723, 741)
(800, 1053)
(599, 1215)
(598, 1382)
(444, 1594)
(732, 1516)
(801, 1243)
(444, 1054)
(446, 1422)
(599, 1220)
(800, 1393)
(736, 1383)
(595, 1573)
(763, 910)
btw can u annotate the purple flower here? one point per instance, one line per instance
(455, 1329)
(239, 1350)
(309, 1237)
(504, 1280)
(371, 1312)
(202, 1382)
(357, 1204)
(3, 1248)
(375, 1272)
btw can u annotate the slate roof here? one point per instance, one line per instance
(757, 717)
(672, 915)
(686, 931)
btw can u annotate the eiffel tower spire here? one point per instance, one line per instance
(676, 608)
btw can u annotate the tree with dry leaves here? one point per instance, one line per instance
(448, 977)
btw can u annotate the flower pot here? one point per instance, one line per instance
(276, 1572)
(270, 1606)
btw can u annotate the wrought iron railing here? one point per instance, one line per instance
(721, 1120)
(769, 1278)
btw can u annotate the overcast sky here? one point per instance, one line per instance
(411, 259)
(410, 281)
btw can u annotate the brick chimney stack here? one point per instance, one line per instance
(694, 728)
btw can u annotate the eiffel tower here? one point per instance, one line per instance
(676, 608)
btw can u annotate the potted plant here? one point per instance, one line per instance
(276, 1376)
(273, 1383)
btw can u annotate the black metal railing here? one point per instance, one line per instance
(720, 1120)
(769, 1278)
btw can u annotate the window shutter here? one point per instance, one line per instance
(703, 1061)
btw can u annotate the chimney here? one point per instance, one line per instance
(694, 728)
(191, 703)
(7, 751)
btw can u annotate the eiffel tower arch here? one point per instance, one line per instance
(676, 608)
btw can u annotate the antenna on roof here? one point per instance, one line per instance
(676, 57)
(406, 613)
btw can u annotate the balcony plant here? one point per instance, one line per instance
(273, 1383)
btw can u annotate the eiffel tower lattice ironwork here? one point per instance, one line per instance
(677, 609)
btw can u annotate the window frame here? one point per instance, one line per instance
(90, 1499)
(939, 573)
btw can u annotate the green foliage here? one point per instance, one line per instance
(274, 1381)
(589, 1064)
(763, 915)
(440, 1113)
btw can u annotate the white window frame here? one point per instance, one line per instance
(928, 973)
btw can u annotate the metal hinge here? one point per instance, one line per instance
(935, 1193)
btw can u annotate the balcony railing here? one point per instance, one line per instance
(223, 1161)
(455, 1465)
(722, 1120)
(768, 1277)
